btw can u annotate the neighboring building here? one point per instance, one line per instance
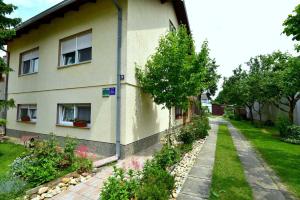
(65, 68)
(206, 102)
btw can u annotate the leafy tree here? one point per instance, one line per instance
(292, 25)
(260, 76)
(7, 32)
(288, 82)
(238, 90)
(174, 72)
(209, 67)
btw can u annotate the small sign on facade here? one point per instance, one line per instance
(106, 92)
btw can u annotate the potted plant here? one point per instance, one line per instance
(25, 118)
(80, 123)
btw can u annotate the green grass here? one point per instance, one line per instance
(228, 181)
(283, 158)
(8, 153)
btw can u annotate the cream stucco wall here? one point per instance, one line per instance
(148, 20)
(76, 84)
(144, 22)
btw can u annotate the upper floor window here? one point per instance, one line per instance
(27, 112)
(29, 62)
(171, 26)
(76, 49)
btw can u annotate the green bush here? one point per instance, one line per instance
(120, 185)
(197, 129)
(282, 124)
(269, 123)
(46, 161)
(11, 187)
(200, 126)
(293, 132)
(82, 165)
(156, 183)
(186, 135)
(167, 157)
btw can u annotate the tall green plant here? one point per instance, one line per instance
(173, 72)
(7, 32)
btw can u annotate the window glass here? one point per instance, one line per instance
(35, 65)
(29, 62)
(85, 54)
(77, 49)
(68, 113)
(27, 112)
(24, 112)
(26, 67)
(69, 58)
(84, 113)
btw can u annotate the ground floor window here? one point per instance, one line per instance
(74, 114)
(27, 112)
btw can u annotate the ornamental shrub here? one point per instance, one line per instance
(11, 187)
(293, 132)
(200, 126)
(282, 124)
(120, 185)
(186, 135)
(167, 157)
(47, 160)
(156, 183)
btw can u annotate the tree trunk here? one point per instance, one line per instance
(292, 105)
(259, 112)
(169, 130)
(251, 113)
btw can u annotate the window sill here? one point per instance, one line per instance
(20, 75)
(24, 122)
(66, 126)
(73, 65)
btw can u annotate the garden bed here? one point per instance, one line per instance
(38, 170)
(162, 177)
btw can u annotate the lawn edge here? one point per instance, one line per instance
(277, 180)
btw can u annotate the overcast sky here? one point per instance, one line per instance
(235, 29)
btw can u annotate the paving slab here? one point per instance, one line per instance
(260, 177)
(198, 182)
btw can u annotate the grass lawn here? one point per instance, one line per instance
(283, 158)
(8, 153)
(228, 181)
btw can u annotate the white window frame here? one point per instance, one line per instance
(33, 68)
(76, 50)
(60, 116)
(28, 107)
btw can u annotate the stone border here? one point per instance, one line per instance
(53, 188)
(182, 169)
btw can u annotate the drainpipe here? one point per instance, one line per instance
(6, 89)
(118, 89)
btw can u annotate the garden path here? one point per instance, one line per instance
(265, 184)
(197, 184)
(90, 190)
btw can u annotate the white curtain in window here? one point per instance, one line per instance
(68, 46)
(84, 41)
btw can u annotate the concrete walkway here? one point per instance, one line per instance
(265, 185)
(197, 184)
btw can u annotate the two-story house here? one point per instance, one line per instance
(74, 72)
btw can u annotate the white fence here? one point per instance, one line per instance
(271, 112)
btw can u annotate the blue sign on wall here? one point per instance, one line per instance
(106, 92)
(112, 91)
